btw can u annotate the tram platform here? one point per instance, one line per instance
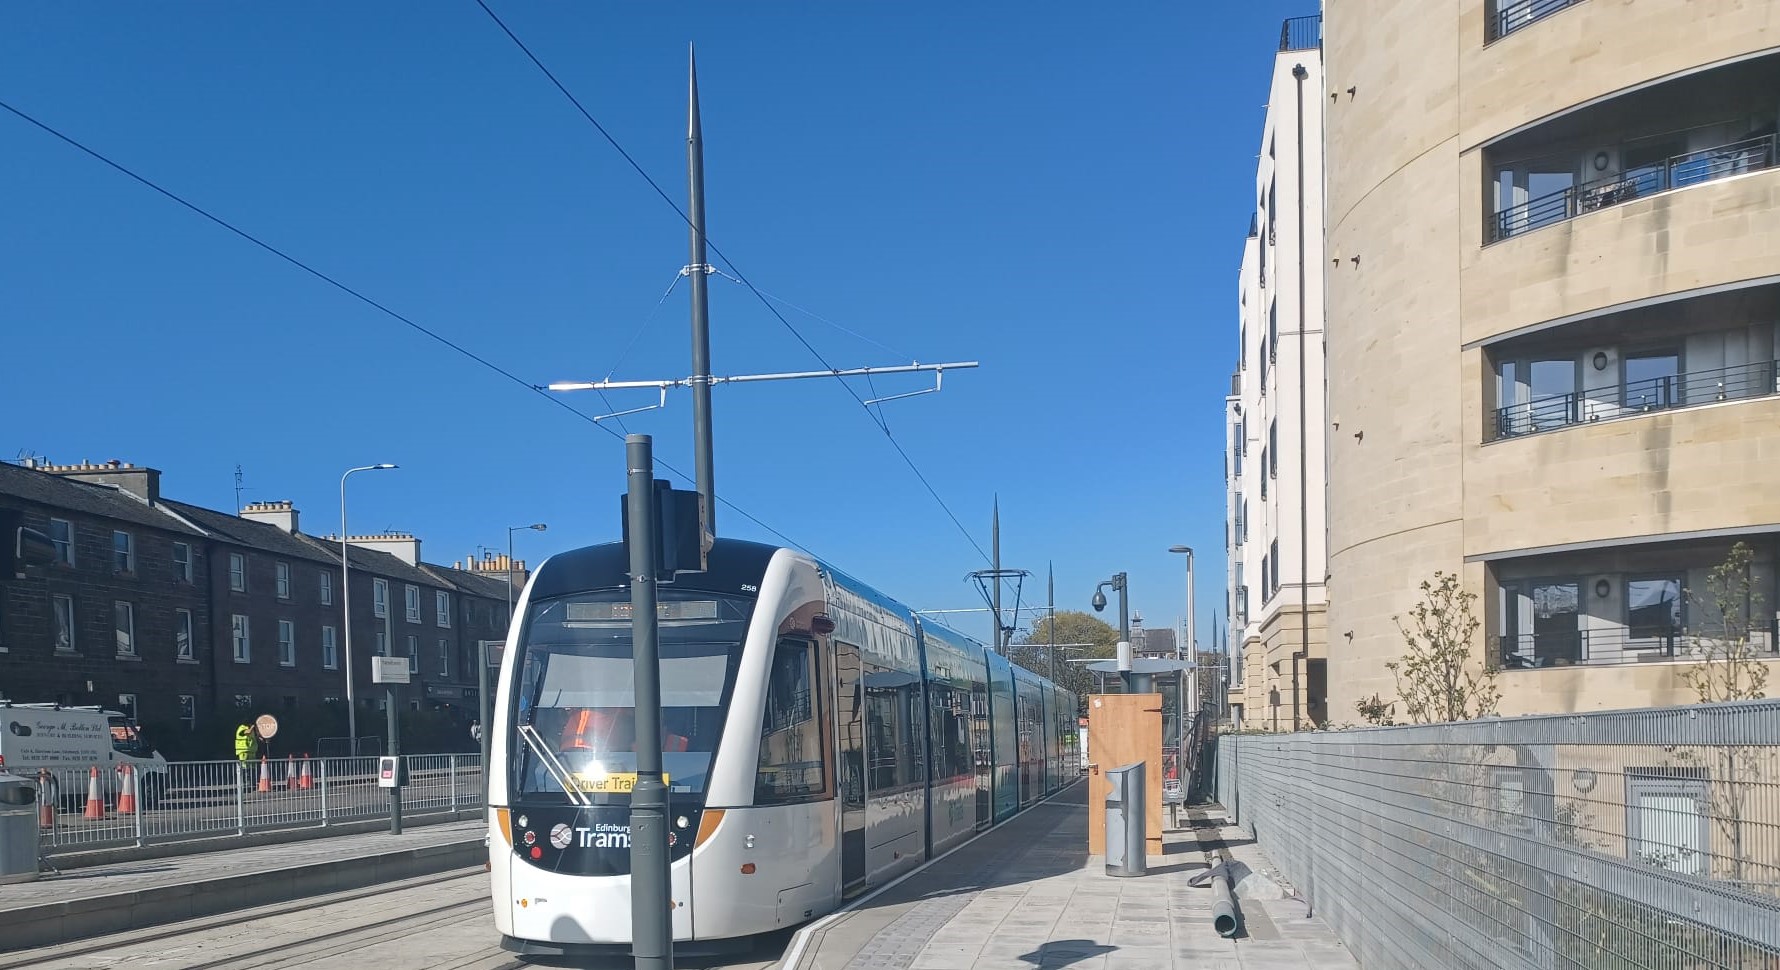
(1027, 895)
(75, 904)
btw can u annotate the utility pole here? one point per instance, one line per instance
(1051, 603)
(995, 566)
(701, 316)
(651, 887)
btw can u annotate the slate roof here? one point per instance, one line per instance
(103, 501)
(111, 502)
(475, 584)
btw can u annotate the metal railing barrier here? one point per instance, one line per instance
(1645, 839)
(105, 807)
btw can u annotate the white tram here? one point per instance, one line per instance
(820, 740)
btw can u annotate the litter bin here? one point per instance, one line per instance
(18, 828)
(1125, 849)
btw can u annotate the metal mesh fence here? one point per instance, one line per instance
(105, 807)
(1642, 839)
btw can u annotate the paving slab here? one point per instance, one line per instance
(1027, 895)
(81, 903)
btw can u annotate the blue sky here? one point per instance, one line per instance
(1057, 191)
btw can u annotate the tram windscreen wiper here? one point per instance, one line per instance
(557, 769)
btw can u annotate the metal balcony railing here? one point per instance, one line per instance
(1511, 15)
(1614, 645)
(1680, 171)
(1692, 389)
(1301, 33)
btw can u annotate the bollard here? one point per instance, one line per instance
(1126, 851)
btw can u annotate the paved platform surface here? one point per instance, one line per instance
(82, 903)
(1028, 895)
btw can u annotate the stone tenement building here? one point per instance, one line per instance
(179, 613)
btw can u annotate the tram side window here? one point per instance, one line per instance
(792, 753)
(950, 724)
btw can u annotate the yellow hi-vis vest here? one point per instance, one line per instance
(244, 743)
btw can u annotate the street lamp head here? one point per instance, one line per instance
(1186, 549)
(382, 466)
(1099, 601)
(538, 527)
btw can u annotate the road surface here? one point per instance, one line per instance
(438, 922)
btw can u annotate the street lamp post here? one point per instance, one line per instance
(1099, 603)
(1191, 638)
(346, 606)
(484, 703)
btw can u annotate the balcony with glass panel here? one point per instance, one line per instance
(1680, 354)
(1713, 125)
(1650, 603)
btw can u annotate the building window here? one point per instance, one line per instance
(414, 655)
(1274, 577)
(1264, 478)
(1273, 332)
(182, 561)
(327, 588)
(411, 600)
(1266, 588)
(244, 700)
(382, 643)
(330, 648)
(1666, 822)
(61, 532)
(442, 606)
(63, 605)
(284, 580)
(188, 711)
(123, 552)
(182, 634)
(1653, 606)
(1273, 446)
(445, 659)
(380, 597)
(287, 643)
(239, 634)
(124, 619)
(237, 572)
(1652, 380)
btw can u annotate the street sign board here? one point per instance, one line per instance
(389, 670)
(492, 649)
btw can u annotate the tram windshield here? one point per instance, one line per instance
(576, 697)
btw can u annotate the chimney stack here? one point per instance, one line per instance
(144, 483)
(280, 514)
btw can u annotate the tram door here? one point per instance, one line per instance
(850, 728)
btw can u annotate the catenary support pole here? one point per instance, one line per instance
(701, 312)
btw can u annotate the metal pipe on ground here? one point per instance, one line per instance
(1223, 902)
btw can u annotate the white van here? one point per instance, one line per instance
(71, 741)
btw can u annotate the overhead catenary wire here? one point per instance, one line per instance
(355, 293)
(740, 276)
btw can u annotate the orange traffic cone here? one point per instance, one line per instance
(265, 774)
(46, 799)
(126, 799)
(290, 772)
(305, 780)
(95, 804)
